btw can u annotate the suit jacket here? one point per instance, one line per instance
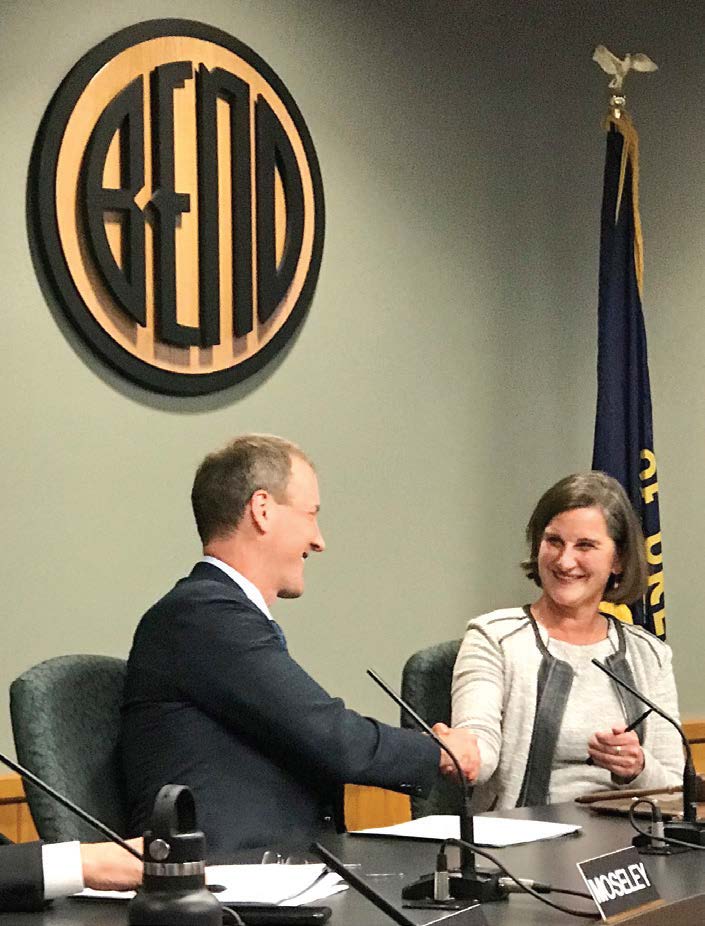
(214, 701)
(21, 877)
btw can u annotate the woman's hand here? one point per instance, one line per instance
(463, 745)
(619, 752)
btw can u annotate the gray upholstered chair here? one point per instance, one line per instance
(425, 685)
(66, 721)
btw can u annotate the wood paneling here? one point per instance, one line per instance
(366, 807)
(695, 730)
(15, 819)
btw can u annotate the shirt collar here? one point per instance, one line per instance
(249, 588)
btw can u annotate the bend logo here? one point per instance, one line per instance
(176, 206)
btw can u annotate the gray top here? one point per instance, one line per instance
(591, 705)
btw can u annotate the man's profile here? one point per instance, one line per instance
(213, 700)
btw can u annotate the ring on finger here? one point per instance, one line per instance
(617, 750)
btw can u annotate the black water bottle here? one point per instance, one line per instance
(173, 891)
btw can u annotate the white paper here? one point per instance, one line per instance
(271, 884)
(326, 886)
(288, 885)
(489, 831)
(89, 894)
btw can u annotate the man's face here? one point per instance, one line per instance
(295, 531)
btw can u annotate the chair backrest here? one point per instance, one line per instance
(66, 721)
(425, 685)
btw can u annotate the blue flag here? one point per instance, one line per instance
(624, 442)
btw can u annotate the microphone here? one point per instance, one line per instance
(74, 808)
(470, 883)
(689, 830)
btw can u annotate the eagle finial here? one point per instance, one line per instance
(619, 68)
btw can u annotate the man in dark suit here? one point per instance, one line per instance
(32, 873)
(213, 699)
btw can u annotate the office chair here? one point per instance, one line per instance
(65, 721)
(425, 685)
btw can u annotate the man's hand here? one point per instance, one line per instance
(619, 752)
(108, 867)
(463, 744)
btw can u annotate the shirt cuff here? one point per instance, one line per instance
(63, 871)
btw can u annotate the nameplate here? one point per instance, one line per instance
(618, 882)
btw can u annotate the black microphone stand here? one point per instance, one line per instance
(688, 830)
(469, 883)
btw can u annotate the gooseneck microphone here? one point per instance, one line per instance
(74, 808)
(689, 830)
(470, 883)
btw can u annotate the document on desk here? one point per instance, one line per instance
(286, 885)
(273, 884)
(489, 831)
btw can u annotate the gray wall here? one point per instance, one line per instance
(445, 375)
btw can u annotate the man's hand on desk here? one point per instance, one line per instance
(108, 867)
(463, 745)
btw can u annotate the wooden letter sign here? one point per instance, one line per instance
(176, 206)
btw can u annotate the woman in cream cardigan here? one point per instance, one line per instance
(524, 682)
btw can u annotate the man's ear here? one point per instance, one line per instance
(260, 505)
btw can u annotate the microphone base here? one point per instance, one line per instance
(646, 846)
(692, 833)
(480, 886)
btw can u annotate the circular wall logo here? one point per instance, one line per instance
(176, 206)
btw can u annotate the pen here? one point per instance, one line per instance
(632, 726)
(635, 723)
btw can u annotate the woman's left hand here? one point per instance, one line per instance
(619, 752)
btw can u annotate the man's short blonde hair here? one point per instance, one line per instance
(227, 479)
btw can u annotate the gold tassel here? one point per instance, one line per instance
(630, 154)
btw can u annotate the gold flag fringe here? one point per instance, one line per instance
(630, 154)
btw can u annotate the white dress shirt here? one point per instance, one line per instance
(249, 588)
(63, 871)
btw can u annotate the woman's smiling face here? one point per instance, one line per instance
(576, 558)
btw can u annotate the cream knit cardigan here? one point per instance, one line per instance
(494, 694)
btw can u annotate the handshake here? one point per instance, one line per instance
(463, 744)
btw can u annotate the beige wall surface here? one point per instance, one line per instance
(445, 374)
